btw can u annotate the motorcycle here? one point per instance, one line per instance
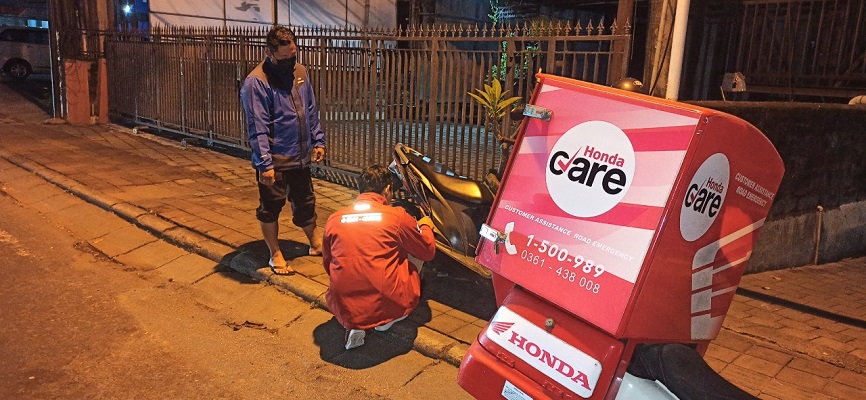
(457, 205)
(614, 244)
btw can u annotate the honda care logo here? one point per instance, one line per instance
(704, 197)
(590, 168)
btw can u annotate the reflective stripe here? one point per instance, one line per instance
(364, 217)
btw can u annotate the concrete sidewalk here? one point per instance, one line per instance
(798, 333)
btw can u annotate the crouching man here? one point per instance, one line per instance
(366, 249)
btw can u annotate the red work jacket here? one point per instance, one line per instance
(364, 251)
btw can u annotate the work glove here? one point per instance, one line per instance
(426, 221)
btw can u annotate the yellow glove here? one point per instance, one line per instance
(426, 221)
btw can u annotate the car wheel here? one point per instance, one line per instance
(18, 69)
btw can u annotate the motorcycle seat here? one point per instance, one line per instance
(450, 184)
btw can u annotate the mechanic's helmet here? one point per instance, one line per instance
(629, 84)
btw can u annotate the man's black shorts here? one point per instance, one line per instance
(296, 185)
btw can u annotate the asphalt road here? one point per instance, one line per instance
(76, 324)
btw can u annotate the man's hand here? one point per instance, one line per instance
(318, 154)
(268, 177)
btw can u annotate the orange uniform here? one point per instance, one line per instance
(364, 251)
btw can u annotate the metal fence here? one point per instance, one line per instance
(808, 47)
(374, 88)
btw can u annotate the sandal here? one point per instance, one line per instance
(282, 270)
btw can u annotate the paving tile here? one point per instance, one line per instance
(466, 334)
(815, 367)
(445, 323)
(774, 356)
(122, 241)
(733, 341)
(722, 353)
(842, 391)
(79, 219)
(268, 307)
(188, 269)
(755, 364)
(222, 289)
(57, 203)
(832, 343)
(438, 381)
(462, 315)
(745, 379)
(851, 379)
(805, 380)
(785, 390)
(151, 256)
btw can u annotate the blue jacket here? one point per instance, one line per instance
(276, 140)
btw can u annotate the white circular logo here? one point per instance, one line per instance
(590, 168)
(704, 197)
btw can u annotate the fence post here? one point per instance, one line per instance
(208, 56)
(372, 97)
(181, 53)
(157, 38)
(434, 82)
(509, 79)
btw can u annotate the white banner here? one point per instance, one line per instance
(352, 13)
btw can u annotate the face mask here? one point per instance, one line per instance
(286, 65)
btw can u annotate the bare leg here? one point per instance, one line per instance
(271, 233)
(314, 238)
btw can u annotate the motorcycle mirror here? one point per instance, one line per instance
(517, 113)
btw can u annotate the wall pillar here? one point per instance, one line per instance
(77, 91)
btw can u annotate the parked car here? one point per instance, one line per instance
(24, 51)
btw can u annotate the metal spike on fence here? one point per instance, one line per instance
(601, 27)
(589, 28)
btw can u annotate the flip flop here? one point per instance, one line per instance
(282, 270)
(314, 253)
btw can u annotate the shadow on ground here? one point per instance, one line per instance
(443, 280)
(378, 347)
(454, 285)
(36, 88)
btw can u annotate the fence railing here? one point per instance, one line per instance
(374, 88)
(807, 47)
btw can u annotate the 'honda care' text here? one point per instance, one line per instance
(590, 168)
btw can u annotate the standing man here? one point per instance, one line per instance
(366, 252)
(285, 136)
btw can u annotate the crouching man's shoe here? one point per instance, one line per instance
(354, 338)
(385, 327)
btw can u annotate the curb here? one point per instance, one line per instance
(427, 342)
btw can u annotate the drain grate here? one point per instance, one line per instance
(335, 175)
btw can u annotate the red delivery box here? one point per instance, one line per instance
(631, 214)
(621, 204)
